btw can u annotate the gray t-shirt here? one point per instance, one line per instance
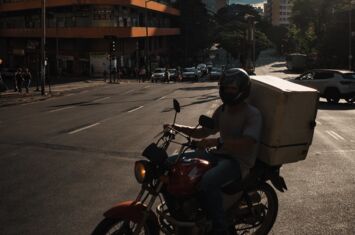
(246, 122)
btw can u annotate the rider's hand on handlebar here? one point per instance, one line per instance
(207, 143)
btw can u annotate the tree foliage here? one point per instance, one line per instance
(321, 27)
(196, 29)
(231, 27)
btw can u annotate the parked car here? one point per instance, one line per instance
(190, 73)
(159, 75)
(174, 75)
(332, 84)
(216, 73)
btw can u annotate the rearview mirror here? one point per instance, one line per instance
(176, 106)
(206, 122)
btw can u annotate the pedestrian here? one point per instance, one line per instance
(136, 73)
(166, 75)
(14, 80)
(27, 79)
(3, 86)
(116, 75)
(119, 74)
(142, 75)
(19, 79)
(105, 75)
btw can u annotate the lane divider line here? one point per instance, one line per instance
(102, 99)
(163, 97)
(146, 86)
(84, 128)
(60, 109)
(130, 91)
(135, 109)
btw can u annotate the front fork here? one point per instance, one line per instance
(153, 198)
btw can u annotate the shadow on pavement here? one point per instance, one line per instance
(340, 106)
(286, 71)
(71, 104)
(201, 88)
(203, 100)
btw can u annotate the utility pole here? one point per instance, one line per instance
(350, 34)
(43, 49)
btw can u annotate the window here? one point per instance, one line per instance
(102, 14)
(349, 76)
(307, 76)
(323, 75)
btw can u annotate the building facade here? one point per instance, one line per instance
(80, 34)
(278, 12)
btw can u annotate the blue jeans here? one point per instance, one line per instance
(225, 170)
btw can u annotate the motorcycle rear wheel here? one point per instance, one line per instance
(269, 202)
(110, 226)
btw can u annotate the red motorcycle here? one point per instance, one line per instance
(251, 206)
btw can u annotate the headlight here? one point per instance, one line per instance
(142, 171)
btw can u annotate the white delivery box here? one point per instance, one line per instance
(289, 111)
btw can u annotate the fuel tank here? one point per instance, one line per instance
(185, 175)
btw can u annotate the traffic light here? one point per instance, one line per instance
(113, 46)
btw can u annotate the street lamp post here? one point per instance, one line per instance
(43, 44)
(350, 34)
(146, 47)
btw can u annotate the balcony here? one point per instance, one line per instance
(89, 32)
(36, 4)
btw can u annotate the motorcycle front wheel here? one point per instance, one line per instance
(263, 215)
(110, 226)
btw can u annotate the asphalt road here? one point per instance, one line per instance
(64, 161)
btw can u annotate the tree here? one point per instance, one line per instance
(196, 29)
(231, 27)
(317, 27)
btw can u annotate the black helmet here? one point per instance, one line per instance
(238, 78)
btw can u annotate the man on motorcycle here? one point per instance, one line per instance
(239, 125)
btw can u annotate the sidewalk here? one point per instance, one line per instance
(9, 98)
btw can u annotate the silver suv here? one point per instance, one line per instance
(332, 84)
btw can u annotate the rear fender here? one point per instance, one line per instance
(130, 210)
(277, 180)
(272, 173)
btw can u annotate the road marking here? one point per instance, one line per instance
(84, 128)
(70, 94)
(135, 109)
(163, 97)
(146, 87)
(332, 135)
(102, 99)
(60, 109)
(335, 135)
(130, 91)
(25, 104)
